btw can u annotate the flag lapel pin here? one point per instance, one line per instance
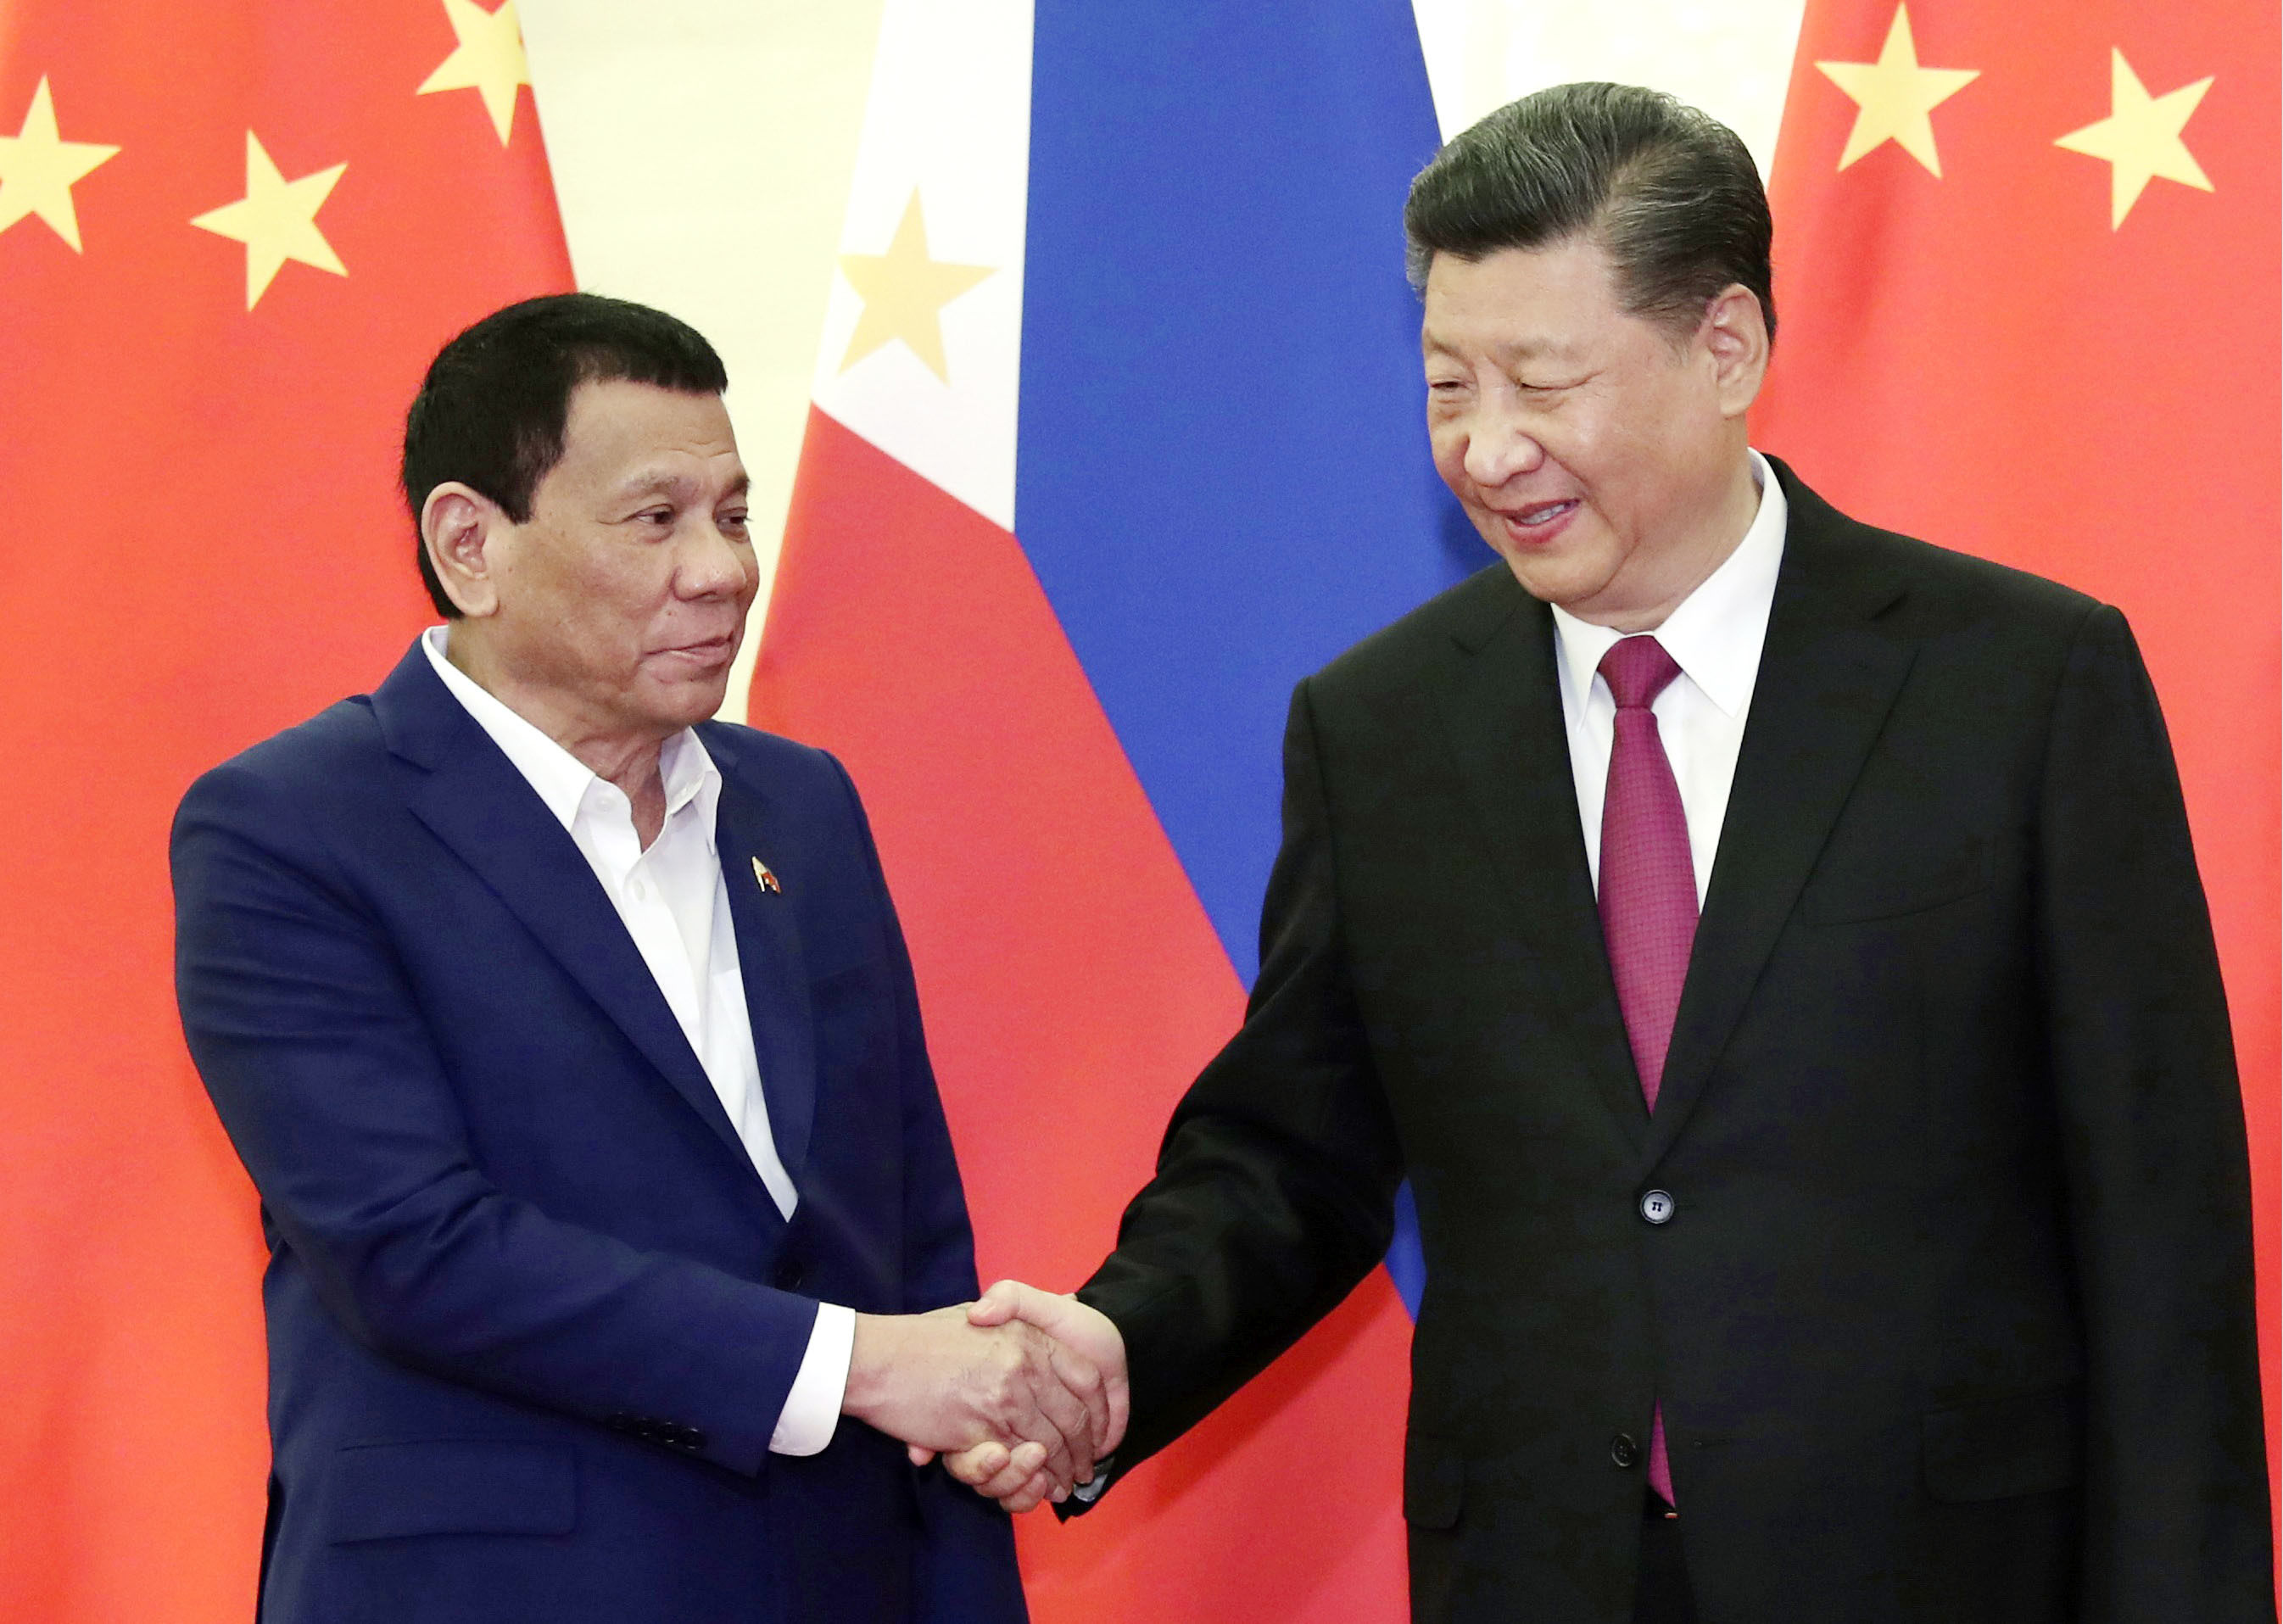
(766, 880)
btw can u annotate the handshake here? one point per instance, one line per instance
(1023, 1393)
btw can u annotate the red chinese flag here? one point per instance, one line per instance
(231, 235)
(2027, 268)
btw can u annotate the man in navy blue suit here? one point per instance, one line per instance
(570, 1042)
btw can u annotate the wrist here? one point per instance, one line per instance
(871, 1360)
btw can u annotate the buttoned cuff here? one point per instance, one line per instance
(812, 1409)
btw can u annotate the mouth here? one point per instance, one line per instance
(703, 654)
(1538, 522)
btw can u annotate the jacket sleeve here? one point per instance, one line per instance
(304, 1027)
(2154, 1159)
(1275, 1183)
(966, 1571)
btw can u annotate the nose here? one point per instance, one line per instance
(714, 565)
(1500, 446)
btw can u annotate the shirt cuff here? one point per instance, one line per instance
(812, 1410)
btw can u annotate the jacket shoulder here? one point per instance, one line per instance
(338, 752)
(761, 751)
(773, 764)
(1943, 585)
(1457, 618)
(1982, 583)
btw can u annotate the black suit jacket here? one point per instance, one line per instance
(1953, 1318)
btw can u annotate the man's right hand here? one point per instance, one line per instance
(944, 1384)
(1010, 1476)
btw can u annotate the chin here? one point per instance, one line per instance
(685, 705)
(1554, 585)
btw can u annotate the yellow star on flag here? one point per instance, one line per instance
(277, 220)
(904, 292)
(489, 60)
(2140, 137)
(1894, 95)
(38, 169)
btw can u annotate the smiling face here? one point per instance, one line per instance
(613, 615)
(1605, 461)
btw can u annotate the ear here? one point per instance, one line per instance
(1734, 335)
(461, 529)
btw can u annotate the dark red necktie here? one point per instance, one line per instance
(1649, 891)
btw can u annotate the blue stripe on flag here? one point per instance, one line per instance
(1222, 474)
(1223, 477)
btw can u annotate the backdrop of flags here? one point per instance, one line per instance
(2027, 258)
(1115, 439)
(230, 236)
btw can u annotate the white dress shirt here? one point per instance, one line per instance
(1715, 637)
(673, 903)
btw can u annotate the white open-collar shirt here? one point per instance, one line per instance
(1715, 636)
(675, 905)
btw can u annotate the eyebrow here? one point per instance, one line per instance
(1512, 350)
(660, 481)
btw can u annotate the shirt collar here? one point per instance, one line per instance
(1716, 633)
(560, 778)
(689, 775)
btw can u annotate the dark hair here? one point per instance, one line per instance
(1670, 194)
(491, 412)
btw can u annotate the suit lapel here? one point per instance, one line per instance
(1503, 716)
(473, 800)
(769, 955)
(1827, 680)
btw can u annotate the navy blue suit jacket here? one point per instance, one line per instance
(532, 1313)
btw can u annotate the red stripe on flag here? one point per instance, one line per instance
(1073, 986)
(1985, 360)
(206, 545)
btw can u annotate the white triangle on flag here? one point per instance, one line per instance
(948, 121)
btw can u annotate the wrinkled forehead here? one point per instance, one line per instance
(1519, 305)
(634, 438)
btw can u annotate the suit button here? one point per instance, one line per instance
(1657, 1206)
(790, 1275)
(1624, 1451)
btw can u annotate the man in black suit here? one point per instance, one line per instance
(1872, 1244)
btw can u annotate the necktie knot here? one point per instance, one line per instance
(1637, 670)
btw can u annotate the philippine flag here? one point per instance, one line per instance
(1116, 436)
